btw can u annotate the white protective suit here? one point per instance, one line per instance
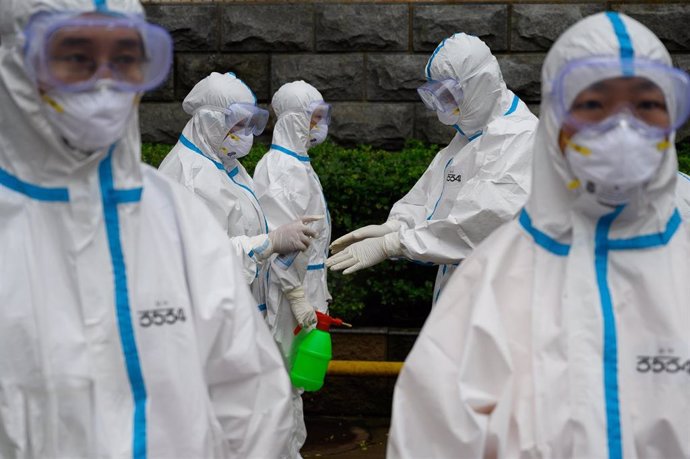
(226, 188)
(565, 334)
(683, 194)
(126, 329)
(288, 188)
(481, 179)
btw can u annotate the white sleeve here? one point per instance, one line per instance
(411, 208)
(485, 204)
(490, 197)
(285, 199)
(247, 249)
(204, 184)
(245, 374)
(455, 376)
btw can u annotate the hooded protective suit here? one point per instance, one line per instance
(565, 334)
(481, 179)
(126, 328)
(288, 188)
(225, 187)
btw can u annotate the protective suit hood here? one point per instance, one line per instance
(207, 128)
(467, 59)
(551, 203)
(291, 105)
(45, 158)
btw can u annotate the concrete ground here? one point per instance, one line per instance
(346, 437)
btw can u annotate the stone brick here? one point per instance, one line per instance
(668, 21)
(161, 122)
(268, 28)
(682, 61)
(522, 74)
(536, 27)
(394, 76)
(163, 93)
(433, 23)
(251, 68)
(193, 27)
(384, 125)
(345, 27)
(534, 108)
(429, 129)
(336, 76)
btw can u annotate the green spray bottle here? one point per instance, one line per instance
(311, 352)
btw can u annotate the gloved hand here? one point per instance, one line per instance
(366, 253)
(304, 313)
(365, 232)
(293, 236)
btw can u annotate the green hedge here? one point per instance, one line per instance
(361, 185)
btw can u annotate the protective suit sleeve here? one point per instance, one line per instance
(198, 180)
(286, 199)
(454, 380)
(251, 250)
(411, 208)
(490, 198)
(247, 382)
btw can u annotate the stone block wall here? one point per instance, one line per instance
(367, 57)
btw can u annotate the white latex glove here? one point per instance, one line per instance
(304, 313)
(365, 232)
(294, 236)
(366, 253)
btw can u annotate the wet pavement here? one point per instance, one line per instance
(346, 437)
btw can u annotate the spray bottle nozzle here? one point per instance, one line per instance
(324, 322)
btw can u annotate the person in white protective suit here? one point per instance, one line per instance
(565, 334)
(683, 193)
(126, 327)
(476, 183)
(224, 121)
(289, 189)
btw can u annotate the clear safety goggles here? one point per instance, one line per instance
(73, 52)
(241, 118)
(320, 113)
(441, 96)
(588, 92)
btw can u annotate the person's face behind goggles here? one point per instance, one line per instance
(655, 97)
(615, 119)
(442, 96)
(243, 122)
(245, 119)
(320, 114)
(72, 53)
(320, 119)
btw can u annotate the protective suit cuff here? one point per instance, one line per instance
(392, 245)
(262, 247)
(294, 294)
(393, 225)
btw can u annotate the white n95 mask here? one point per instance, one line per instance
(449, 117)
(235, 146)
(90, 120)
(613, 160)
(318, 134)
